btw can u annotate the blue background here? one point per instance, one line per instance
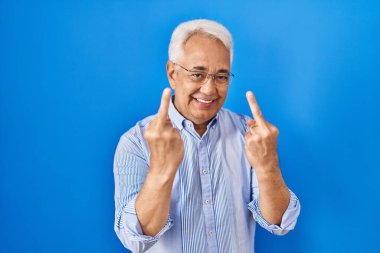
(75, 75)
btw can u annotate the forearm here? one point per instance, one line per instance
(153, 202)
(274, 195)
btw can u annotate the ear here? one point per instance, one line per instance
(170, 71)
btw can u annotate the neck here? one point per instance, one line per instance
(201, 128)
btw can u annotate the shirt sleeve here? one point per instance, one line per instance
(130, 170)
(289, 218)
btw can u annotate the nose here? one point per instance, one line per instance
(209, 87)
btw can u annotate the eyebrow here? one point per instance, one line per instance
(199, 68)
(202, 68)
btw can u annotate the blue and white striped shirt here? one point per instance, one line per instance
(214, 200)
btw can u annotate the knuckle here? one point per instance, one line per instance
(259, 113)
(266, 135)
(256, 138)
(166, 135)
(154, 135)
(273, 129)
(147, 134)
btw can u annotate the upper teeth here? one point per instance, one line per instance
(204, 101)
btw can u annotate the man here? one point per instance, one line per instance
(195, 177)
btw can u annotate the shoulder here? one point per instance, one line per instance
(139, 128)
(232, 119)
(132, 150)
(133, 138)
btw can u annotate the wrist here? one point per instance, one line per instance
(267, 169)
(268, 174)
(162, 174)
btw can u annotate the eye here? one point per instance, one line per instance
(197, 75)
(222, 78)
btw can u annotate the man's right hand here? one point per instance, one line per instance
(166, 154)
(165, 143)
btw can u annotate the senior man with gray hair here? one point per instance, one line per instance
(196, 177)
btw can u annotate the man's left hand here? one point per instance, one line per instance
(261, 140)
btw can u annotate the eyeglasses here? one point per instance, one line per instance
(200, 77)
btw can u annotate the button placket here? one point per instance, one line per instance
(207, 202)
(208, 208)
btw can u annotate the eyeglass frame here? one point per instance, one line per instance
(229, 74)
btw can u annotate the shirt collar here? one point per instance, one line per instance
(175, 116)
(179, 121)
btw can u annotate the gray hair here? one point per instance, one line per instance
(198, 26)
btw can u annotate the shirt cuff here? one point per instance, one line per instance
(289, 218)
(133, 228)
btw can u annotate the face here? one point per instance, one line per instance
(199, 103)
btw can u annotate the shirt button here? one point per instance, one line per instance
(202, 142)
(207, 201)
(210, 233)
(204, 171)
